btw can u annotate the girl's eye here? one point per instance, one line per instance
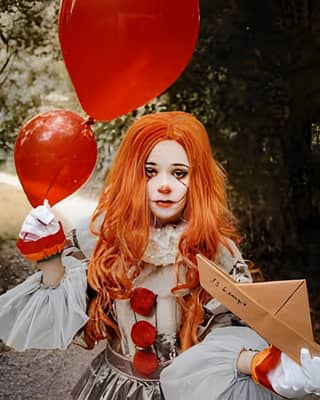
(179, 173)
(150, 172)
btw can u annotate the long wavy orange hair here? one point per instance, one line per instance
(126, 219)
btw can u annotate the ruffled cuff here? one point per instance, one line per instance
(35, 316)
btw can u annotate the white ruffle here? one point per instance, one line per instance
(162, 248)
(35, 316)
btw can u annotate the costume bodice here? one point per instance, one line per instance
(159, 276)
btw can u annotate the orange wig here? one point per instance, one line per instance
(124, 232)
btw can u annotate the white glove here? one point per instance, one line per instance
(292, 380)
(41, 235)
(39, 223)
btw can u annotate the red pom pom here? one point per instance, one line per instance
(145, 362)
(142, 301)
(143, 334)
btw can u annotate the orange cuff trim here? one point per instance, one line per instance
(45, 253)
(262, 363)
(44, 247)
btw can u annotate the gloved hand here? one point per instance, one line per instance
(41, 235)
(292, 380)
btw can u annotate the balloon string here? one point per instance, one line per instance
(53, 182)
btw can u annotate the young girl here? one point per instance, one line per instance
(163, 202)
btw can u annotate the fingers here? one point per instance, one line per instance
(311, 370)
(310, 363)
(290, 392)
(305, 357)
(43, 213)
(39, 223)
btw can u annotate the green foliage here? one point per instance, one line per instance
(29, 61)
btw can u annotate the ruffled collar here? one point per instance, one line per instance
(163, 244)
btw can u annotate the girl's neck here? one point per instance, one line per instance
(159, 224)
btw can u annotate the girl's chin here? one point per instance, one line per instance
(166, 219)
(167, 215)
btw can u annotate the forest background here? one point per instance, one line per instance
(253, 81)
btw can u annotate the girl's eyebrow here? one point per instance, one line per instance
(173, 164)
(180, 165)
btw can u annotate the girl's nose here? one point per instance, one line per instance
(164, 189)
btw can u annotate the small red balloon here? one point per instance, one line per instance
(54, 155)
(122, 53)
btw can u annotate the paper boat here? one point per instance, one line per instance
(277, 310)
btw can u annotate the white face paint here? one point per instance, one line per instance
(167, 170)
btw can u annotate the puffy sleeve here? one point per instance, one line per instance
(210, 367)
(33, 315)
(233, 263)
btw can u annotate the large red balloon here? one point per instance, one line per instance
(122, 53)
(54, 155)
